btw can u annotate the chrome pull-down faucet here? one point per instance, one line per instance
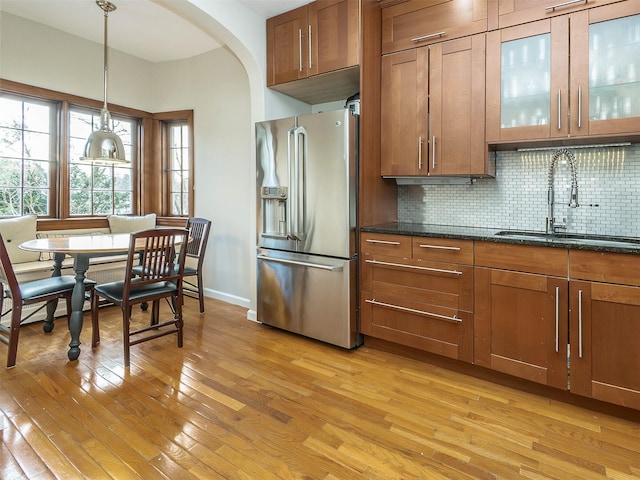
(552, 225)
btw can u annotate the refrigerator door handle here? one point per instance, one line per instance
(291, 177)
(332, 268)
(298, 197)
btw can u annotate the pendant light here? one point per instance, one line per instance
(104, 146)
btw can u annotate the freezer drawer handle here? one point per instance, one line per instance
(389, 264)
(411, 310)
(332, 268)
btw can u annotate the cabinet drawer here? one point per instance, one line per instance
(516, 12)
(616, 268)
(440, 284)
(386, 244)
(426, 327)
(522, 258)
(443, 250)
(418, 22)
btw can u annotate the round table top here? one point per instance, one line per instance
(99, 243)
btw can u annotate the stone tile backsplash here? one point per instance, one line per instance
(609, 194)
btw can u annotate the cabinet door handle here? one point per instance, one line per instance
(426, 37)
(385, 242)
(440, 247)
(579, 106)
(419, 153)
(566, 4)
(309, 41)
(580, 323)
(557, 318)
(415, 267)
(300, 49)
(411, 310)
(559, 109)
(433, 152)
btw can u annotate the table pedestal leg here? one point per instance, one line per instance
(53, 304)
(80, 265)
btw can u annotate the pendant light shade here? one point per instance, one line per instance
(103, 145)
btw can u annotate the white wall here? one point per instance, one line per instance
(35, 54)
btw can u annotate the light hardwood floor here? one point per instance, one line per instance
(244, 401)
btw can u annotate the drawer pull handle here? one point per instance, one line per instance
(439, 247)
(431, 35)
(389, 264)
(411, 310)
(384, 242)
(566, 4)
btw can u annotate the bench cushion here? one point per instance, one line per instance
(129, 224)
(16, 231)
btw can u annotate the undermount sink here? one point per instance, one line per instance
(573, 237)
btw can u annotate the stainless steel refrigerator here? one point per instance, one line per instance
(306, 225)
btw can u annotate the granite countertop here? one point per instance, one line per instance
(596, 243)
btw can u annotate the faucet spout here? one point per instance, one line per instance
(551, 226)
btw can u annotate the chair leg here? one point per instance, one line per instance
(14, 333)
(95, 326)
(200, 292)
(126, 336)
(48, 325)
(179, 321)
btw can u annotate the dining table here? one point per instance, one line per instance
(82, 248)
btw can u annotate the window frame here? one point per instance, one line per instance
(163, 122)
(144, 156)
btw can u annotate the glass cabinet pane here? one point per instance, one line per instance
(526, 81)
(614, 69)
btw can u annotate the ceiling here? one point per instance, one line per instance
(137, 27)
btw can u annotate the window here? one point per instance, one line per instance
(179, 168)
(98, 189)
(175, 142)
(42, 136)
(27, 156)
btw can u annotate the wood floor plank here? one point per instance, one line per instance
(245, 401)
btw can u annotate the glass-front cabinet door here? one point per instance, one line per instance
(528, 97)
(605, 70)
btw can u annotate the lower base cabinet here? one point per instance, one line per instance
(418, 292)
(521, 325)
(564, 318)
(605, 327)
(574, 331)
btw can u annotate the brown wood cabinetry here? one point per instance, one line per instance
(515, 12)
(433, 110)
(521, 312)
(313, 41)
(414, 23)
(287, 51)
(418, 292)
(534, 92)
(605, 326)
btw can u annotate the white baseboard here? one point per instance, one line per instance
(225, 297)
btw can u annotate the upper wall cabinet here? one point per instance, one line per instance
(318, 42)
(515, 12)
(534, 92)
(432, 106)
(414, 23)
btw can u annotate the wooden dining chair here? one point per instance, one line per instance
(47, 290)
(198, 237)
(155, 264)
